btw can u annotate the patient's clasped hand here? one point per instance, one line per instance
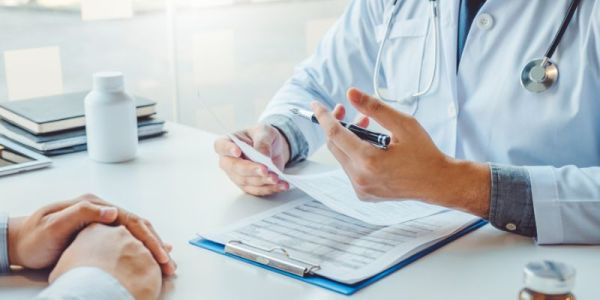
(89, 232)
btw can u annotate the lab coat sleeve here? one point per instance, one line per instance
(344, 58)
(566, 203)
(85, 283)
(566, 200)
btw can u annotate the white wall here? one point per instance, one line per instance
(195, 59)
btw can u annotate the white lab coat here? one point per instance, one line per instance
(481, 112)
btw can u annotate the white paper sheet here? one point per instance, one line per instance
(335, 191)
(345, 249)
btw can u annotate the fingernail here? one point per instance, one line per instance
(260, 172)
(108, 213)
(232, 152)
(282, 186)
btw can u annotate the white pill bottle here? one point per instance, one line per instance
(111, 120)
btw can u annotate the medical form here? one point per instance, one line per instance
(338, 247)
(335, 191)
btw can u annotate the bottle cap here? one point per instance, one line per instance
(109, 81)
(549, 277)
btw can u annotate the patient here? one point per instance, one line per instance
(96, 250)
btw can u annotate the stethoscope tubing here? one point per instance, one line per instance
(563, 28)
(377, 71)
(550, 68)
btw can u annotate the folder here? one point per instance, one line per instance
(292, 266)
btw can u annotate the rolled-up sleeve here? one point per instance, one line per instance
(85, 283)
(511, 203)
(556, 205)
(296, 140)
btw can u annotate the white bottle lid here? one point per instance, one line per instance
(109, 81)
(549, 277)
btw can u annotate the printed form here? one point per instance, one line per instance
(342, 248)
(335, 190)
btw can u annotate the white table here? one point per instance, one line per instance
(175, 182)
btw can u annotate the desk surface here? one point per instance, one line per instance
(175, 182)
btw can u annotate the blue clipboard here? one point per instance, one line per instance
(338, 287)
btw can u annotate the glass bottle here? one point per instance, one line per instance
(548, 280)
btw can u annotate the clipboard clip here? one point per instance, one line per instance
(276, 257)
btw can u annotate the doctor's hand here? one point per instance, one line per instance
(254, 178)
(37, 241)
(115, 251)
(411, 168)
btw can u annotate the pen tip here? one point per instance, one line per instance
(294, 111)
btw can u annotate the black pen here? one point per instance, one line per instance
(379, 140)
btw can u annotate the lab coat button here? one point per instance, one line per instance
(511, 227)
(485, 21)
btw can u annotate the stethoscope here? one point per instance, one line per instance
(541, 74)
(537, 76)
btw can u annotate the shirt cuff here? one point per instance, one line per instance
(85, 283)
(4, 263)
(511, 201)
(295, 138)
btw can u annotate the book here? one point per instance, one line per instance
(57, 113)
(65, 139)
(83, 147)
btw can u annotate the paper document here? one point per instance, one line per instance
(342, 248)
(335, 190)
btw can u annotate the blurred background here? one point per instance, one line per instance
(196, 58)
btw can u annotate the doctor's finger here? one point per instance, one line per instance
(254, 180)
(340, 156)
(376, 109)
(263, 142)
(265, 190)
(242, 167)
(339, 112)
(225, 147)
(362, 121)
(343, 138)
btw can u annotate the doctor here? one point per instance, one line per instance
(493, 107)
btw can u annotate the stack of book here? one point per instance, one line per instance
(56, 125)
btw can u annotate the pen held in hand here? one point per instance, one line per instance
(379, 140)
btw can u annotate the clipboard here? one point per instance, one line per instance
(300, 270)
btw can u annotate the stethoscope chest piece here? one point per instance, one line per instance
(539, 75)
